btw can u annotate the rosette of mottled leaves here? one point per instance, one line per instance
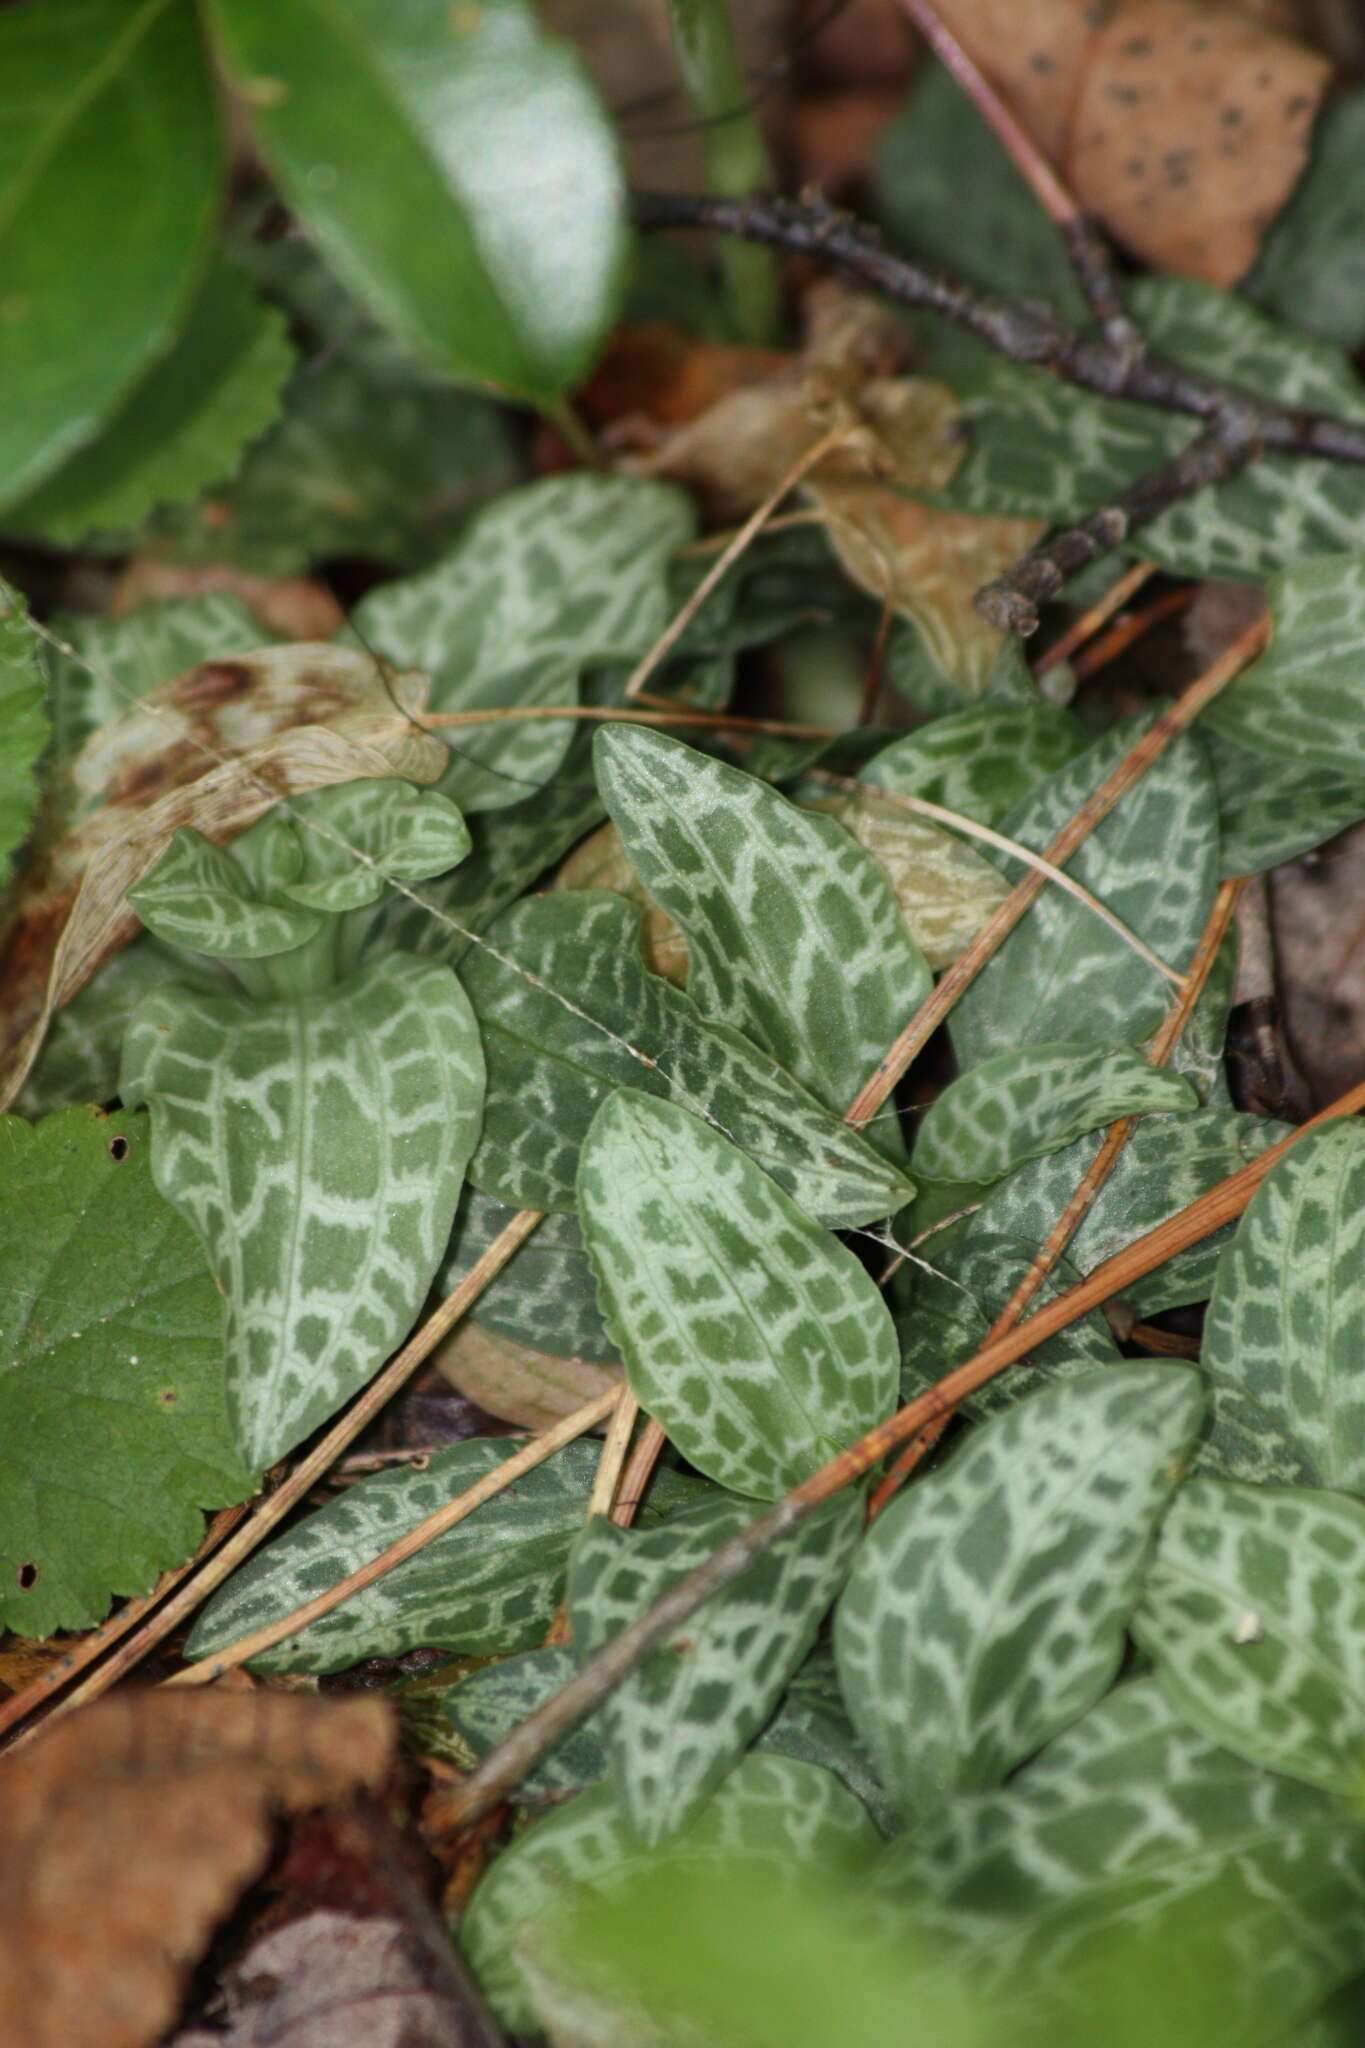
(314, 1121)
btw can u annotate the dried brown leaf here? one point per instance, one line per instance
(1033, 52)
(295, 607)
(600, 863)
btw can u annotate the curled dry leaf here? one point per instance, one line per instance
(531, 1388)
(128, 1831)
(214, 748)
(601, 863)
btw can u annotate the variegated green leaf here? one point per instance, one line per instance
(1062, 973)
(1020, 1105)
(756, 1338)
(199, 897)
(488, 1704)
(1254, 1610)
(24, 722)
(1166, 1164)
(569, 1012)
(1287, 1318)
(1272, 811)
(793, 934)
(488, 1586)
(545, 1296)
(772, 1806)
(1042, 446)
(980, 761)
(1300, 701)
(549, 579)
(945, 890)
(317, 1145)
(80, 1057)
(1132, 1819)
(679, 1723)
(987, 1607)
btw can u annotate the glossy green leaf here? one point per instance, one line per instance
(1020, 1105)
(679, 1724)
(1288, 1311)
(488, 1586)
(23, 722)
(317, 1144)
(1254, 1611)
(484, 220)
(1134, 1820)
(1311, 269)
(756, 1338)
(579, 1015)
(793, 934)
(183, 426)
(1300, 700)
(1042, 446)
(545, 1296)
(108, 183)
(551, 578)
(1062, 974)
(987, 1607)
(980, 761)
(1166, 1164)
(111, 1374)
(792, 1813)
(1272, 811)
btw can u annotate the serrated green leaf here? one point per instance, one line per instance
(548, 580)
(108, 181)
(583, 1016)
(755, 1338)
(793, 934)
(111, 1379)
(23, 723)
(980, 761)
(1300, 700)
(1254, 1611)
(791, 1813)
(1133, 1820)
(317, 1144)
(184, 425)
(1284, 1323)
(1020, 1105)
(1272, 811)
(1311, 269)
(493, 241)
(987, 1607)
(677, 1726)
(1062, 974)
(1042, 446)
(1166, 1164)
(545, 1296)
(488, 1586)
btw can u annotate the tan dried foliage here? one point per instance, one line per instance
(129, 1830)
(214, 748)
(601, 863)
(295, 607)
(532, 1388)
(945, 890)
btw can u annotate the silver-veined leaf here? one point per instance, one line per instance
(488, 1704)
(1300, 700)
(756, 1338)
(987, 1607)
(1273, 810)
(980, 761)
(545, 1296)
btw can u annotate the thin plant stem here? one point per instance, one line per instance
(736, 155)
(613, 1458)
(636, 1476)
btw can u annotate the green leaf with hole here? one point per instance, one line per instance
(980, 761)
(678, 1725)
(791, 1813)
(1254, 1612)
(108, 185)
(1288, 1304)
(1062, 973)
(793, 934)
(111, 1374)
(756, 1339)
(551, 579)
(1020, 1105)
(183, 426)
(987, 1607)
(483, 222)
(569, 1012)
(317, 1143)
(1300, 700)
(23, 722)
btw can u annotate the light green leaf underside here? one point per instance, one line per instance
(318, 1146)
(111, 1374)
(23, 723)
(1287, 1319)
(755, 1338)
(549, 580)
(793, 1813)
(545, 1296)
(551, 1062)
(1254, 1611)
(1153, 861)
(793, 935)
(678, 1724)
(1019, 1105)
(1132, 1820)
(980, 761)
(1300, 701)
(987, 1607)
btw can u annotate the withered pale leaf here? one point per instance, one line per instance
(601, 863)
(531, 1388)
(945, 890)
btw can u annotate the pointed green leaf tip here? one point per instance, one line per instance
(755, 1338)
